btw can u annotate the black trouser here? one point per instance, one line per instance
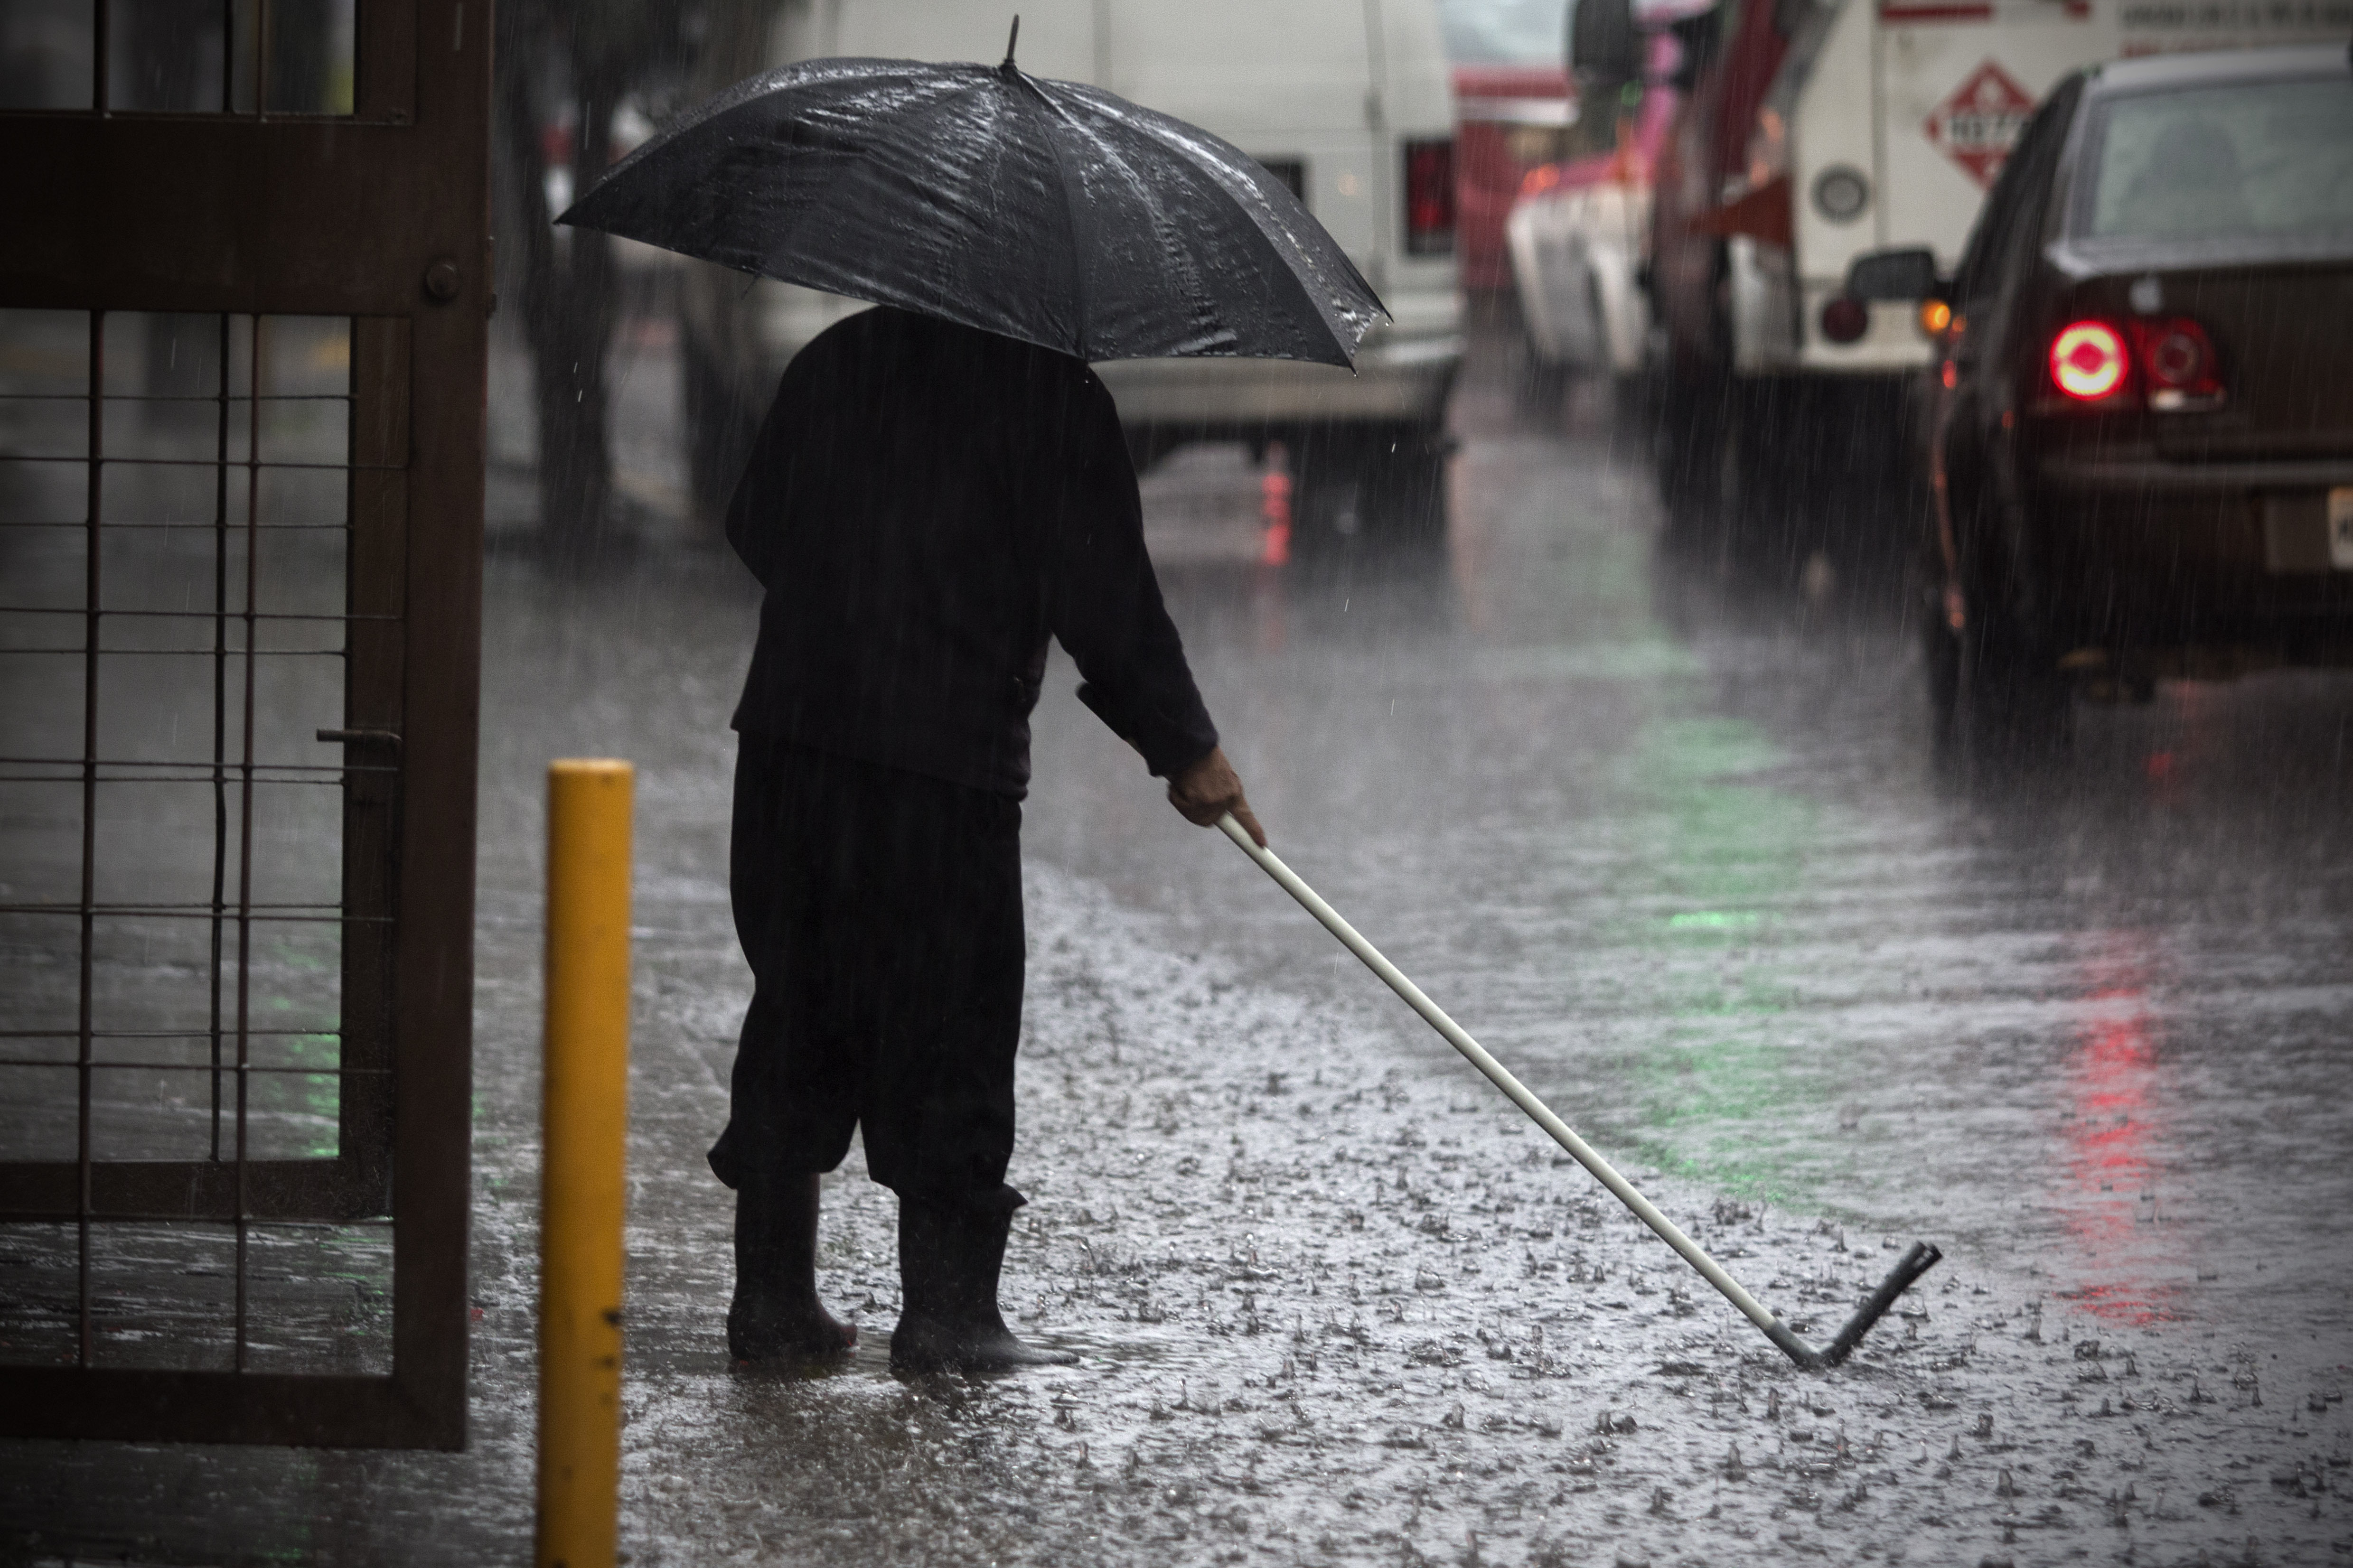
(881, 910)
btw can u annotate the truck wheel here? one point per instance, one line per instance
(1326, 506)
(1688, 453)
(1631, 414)
(1540, 386)
(1766, 427)
(1404, 482)
(1387, 482)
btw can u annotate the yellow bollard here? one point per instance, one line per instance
(584, 1129)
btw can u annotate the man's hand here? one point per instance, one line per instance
(1208, 790)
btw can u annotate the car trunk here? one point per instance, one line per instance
(2285, 336)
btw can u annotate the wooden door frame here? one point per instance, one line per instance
(381, 216)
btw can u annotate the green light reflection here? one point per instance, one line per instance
(1715, 1090)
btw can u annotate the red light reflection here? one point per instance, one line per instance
(2111, 1203)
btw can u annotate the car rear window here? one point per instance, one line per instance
(2250, 158)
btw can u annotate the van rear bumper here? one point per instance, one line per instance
(1402, 377)
(1397, 380)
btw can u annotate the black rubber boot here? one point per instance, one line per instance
(775, 1315)
(948, 1265)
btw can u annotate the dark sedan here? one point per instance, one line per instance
(2141, 442)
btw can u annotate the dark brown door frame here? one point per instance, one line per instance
(382, 216)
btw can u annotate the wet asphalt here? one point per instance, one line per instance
(1666, 833)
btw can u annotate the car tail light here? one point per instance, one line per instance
(2168, 360)
(1429, 197)
(2177, 358)
(2087, 360)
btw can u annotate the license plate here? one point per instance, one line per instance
(2340, 528)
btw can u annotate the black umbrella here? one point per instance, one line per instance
(1047, 211)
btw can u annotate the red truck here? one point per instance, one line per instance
(1509, 120)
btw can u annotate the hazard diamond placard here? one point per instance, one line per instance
(1981, 122)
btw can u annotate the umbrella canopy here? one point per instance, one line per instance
(1047, 211)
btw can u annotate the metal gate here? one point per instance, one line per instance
(243, 297)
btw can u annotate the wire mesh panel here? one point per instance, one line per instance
(240, 602)
(192, 963)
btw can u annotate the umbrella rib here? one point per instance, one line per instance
(783, 240)
(1201, 305)
(746, 96)
(1285, 274)
(913, 114)
(1182, 140)
(1071, 207)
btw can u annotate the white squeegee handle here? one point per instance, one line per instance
(1520, 1094)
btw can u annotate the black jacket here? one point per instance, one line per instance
(926, 505)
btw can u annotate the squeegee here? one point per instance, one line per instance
(1918, 1260)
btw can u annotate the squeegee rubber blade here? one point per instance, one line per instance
(1909, 1267)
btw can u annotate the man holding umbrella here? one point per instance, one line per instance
(940, 488)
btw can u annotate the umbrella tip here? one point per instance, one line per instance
(1012, 39)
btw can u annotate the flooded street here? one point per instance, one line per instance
(1672, 844)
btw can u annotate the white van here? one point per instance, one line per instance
(1348, 100)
